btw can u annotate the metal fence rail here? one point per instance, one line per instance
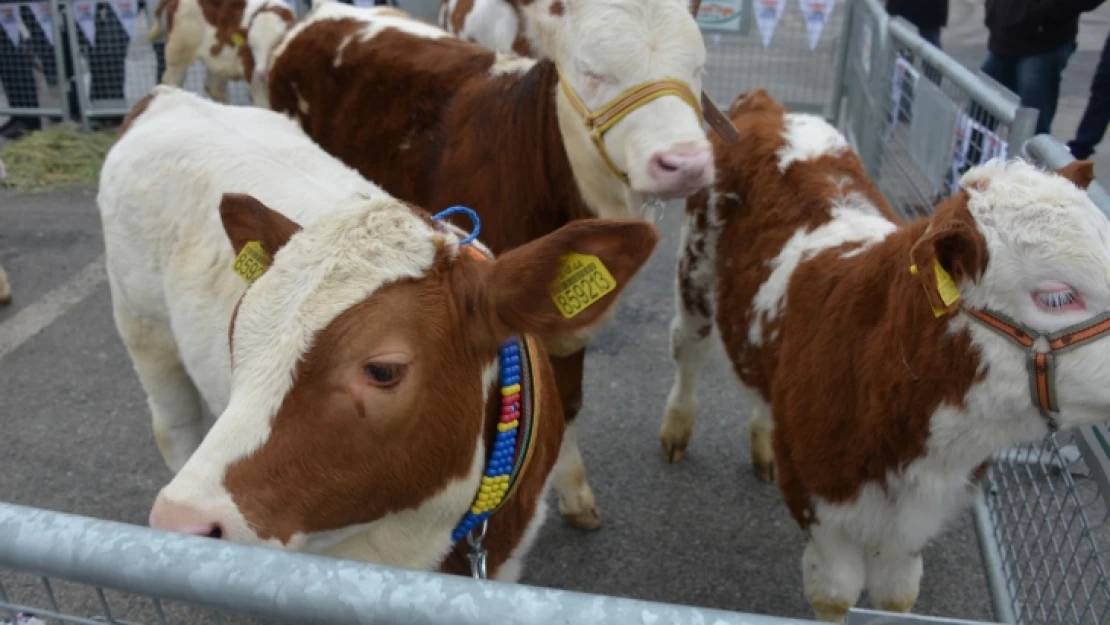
(917, 117)
(284, 587)
(1044, 520)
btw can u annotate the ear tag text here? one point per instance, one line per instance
(252, 261)
(583, 280)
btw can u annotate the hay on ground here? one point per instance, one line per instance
(60, 155)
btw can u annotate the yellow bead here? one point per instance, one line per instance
(505, 427)
(510, 390)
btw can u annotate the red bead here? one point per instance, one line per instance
(515, 397)
(508, 418)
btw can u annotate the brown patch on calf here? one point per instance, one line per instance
(557, 8)
(1081, 173)
(138, 109)
(459, 15)
(855, 364)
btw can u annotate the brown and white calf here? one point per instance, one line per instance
(877, 414)
(356, 380)
(500, 25)
(439, 122)
(234, 39)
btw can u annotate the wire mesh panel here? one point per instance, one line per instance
(918, 117)
(788, 47)
(30, 56)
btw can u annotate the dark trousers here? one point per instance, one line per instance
(1096, 117)
(1035, 79)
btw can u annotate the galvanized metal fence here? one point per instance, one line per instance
(917, 118)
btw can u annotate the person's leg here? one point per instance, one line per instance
(18, 83)
(1096, 117)
(107, 57)
(1038, 83)
(932, 35)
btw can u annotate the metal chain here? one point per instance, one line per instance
(477, 554)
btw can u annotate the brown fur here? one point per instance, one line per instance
(852, 390)
(338, 456)
(136, 110)
(470, 139)
(225, 16)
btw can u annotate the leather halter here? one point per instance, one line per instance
(603, 119)
(1041, 362)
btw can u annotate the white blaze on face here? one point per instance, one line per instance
(605, 47)
(321, 272)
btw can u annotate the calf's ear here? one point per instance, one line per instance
(951, 251)
(246, 219)
(567, 280)
(1081, 173)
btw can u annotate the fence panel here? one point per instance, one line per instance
(788, 47)
(31, 60)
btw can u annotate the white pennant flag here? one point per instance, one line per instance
(84, 13)
(767, 15)
(41, 11)
(9, 19)
(816, 13)
(127, 13)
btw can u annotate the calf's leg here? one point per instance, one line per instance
(760, 428)
(691, 328)
(5, 287)
(576, 498)
(216, 87)
(894, 578)
(182, 45)
(833, 573)
(175, 406)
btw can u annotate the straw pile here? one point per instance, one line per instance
(56, 156)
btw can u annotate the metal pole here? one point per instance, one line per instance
(302, 588)
(846, 35)
(1001, 597)
(78, 77)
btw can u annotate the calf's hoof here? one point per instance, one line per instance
(764, 471)
(580, 510)
(673, 451)
(5, 292)
(831, 611)
(902, 606)
(588, 520)
(674, 435)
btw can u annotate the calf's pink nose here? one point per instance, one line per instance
(684, 165)
(174, 517)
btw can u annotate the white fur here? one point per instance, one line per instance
(854, 220)
(808, 137)
(511, 64)
(173, 291)
(193, 37)
(492, 23)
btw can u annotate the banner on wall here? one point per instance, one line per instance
(9, 20)
(720, 15)
(84, 13)
(975, 145)
(767, 16)
(816, 13)
(44, 17)
(127, 12)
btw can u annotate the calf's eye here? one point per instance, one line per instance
(383, 374)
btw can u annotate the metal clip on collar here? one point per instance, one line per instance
(478, 553)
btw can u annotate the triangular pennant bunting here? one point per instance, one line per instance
(128, 15)
(84, 13)
(9, 20)
(41, 11)
(767, 15)
(816, 13)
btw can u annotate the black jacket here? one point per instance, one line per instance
(921, 13)
(1028, 27)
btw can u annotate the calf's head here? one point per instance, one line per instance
(1025, 254)
(639, 65)
(363, 361)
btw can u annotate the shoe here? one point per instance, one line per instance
(1079, 152)
(19, 126)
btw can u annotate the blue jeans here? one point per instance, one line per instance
(1035, 79)
(1097, 115)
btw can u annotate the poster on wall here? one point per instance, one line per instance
(9, 19)
(84, 13)
(44, 17)
(816, 13)
(126, 11)
(975, 145)
(767, 16)
(721, 15)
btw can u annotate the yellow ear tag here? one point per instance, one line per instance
(582, 281)
(238, 39)
(252, 261)
(946, 287)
